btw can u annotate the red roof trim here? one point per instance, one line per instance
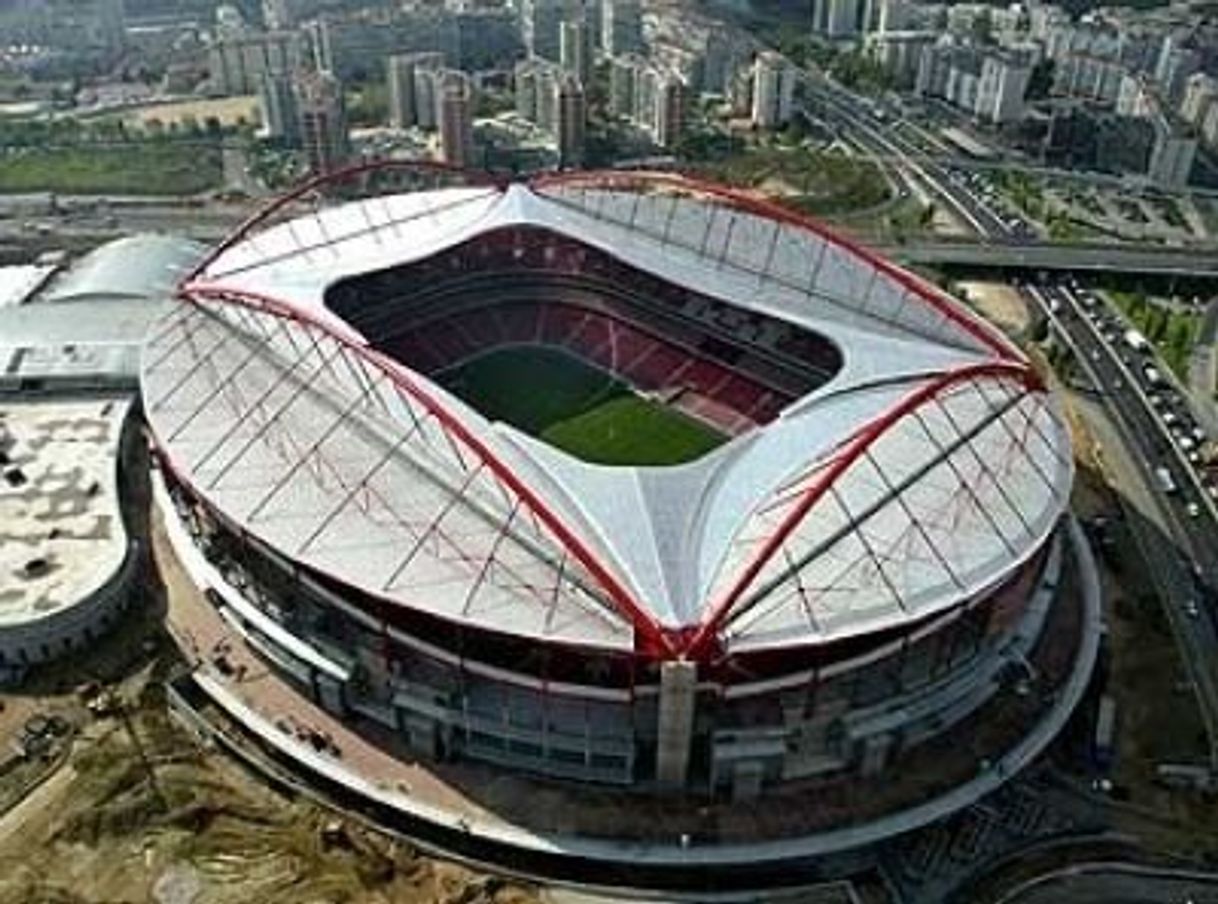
(940, 301)
(315, 182)
(701, 645)
(650, 633)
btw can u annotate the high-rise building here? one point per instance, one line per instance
(670, 100)
(323, 121)
(412, 87)
(621, 27)
(229, 21)
(236, 64)
(1000, 89)
(1200, 94)
(899, 52)
(1209, 125)
(320, 43)
(537, 88)
(572, 122)
(400, 81)
(773, 90)
(574, 52)
(892, 15)
(623, 83)
(1175, 64)
(836, 18)
(650, 96)
(1172, 155)
(277, 100)
(541, 23)
(456, 103)
(722, 55)
(277, 14)
(1135, 97)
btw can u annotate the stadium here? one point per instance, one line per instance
(622, 481)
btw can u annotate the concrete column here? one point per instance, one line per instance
(875, 754)
(678, 700)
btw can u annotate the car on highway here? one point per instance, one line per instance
(1136, 340)
(1190, 608)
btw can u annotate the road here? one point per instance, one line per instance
(1147, 260)
(1180, 545)
(1177, 532)
(1005, 241)
(1103, 883)
(847, 111)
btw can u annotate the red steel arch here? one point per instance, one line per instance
(654, 637)
(701, 645)
(696, 642)
(312, 183)
(771, 210)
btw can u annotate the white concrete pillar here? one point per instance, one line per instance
(678, 701)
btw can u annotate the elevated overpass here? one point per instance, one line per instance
(1148, 260)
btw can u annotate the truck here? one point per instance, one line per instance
(1136, 341)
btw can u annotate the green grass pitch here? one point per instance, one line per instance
(578, 408)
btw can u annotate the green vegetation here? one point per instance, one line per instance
(1024, 192)
(135, 168)
(368, 105)
(1063, 228)
(816, 182)
(577, 408)
(1173, 332)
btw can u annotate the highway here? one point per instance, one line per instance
(1004, 241)
(1116, 883)
(1179, 538)
(849, 112)
(1035, 255)
(1177, 533)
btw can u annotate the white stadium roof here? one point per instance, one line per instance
(918, 477)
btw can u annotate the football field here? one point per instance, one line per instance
(578, 408)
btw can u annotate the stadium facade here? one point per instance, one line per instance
(864, 564)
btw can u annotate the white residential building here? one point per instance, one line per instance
(412, 89)
(773, 90)
(621, 27)
(1000, 89)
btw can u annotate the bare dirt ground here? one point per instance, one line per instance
(136, 811)
(140, 813)
(1000, 303)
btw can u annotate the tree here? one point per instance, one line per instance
(1156, 324)
(1181, 334)
(1137, 307)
